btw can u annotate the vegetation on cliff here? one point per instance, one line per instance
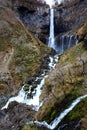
(21, 53)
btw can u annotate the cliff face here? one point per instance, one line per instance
(20, 52)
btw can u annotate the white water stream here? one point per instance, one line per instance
(58, 119)
(51, 37)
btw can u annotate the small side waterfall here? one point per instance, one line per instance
(62, 48)
(65, 42)
(70, 41)
(51, 42)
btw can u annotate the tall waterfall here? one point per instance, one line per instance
(51, 37)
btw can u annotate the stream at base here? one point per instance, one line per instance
(58, 119)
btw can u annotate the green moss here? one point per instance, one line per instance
(53, 115)
(75, 91)
(83, 129)
(26, 87)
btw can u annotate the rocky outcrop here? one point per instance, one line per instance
(65, 83)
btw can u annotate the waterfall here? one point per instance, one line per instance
(70, 41)
(66, 42)
(51, 37)
(58, 119)
(62, 48)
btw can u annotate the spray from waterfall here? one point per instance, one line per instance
(52, 2)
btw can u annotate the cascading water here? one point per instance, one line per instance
(62, 48)
(70, 41)
(22, 96)
(58, 119)
(51, 42)
(66, 42)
